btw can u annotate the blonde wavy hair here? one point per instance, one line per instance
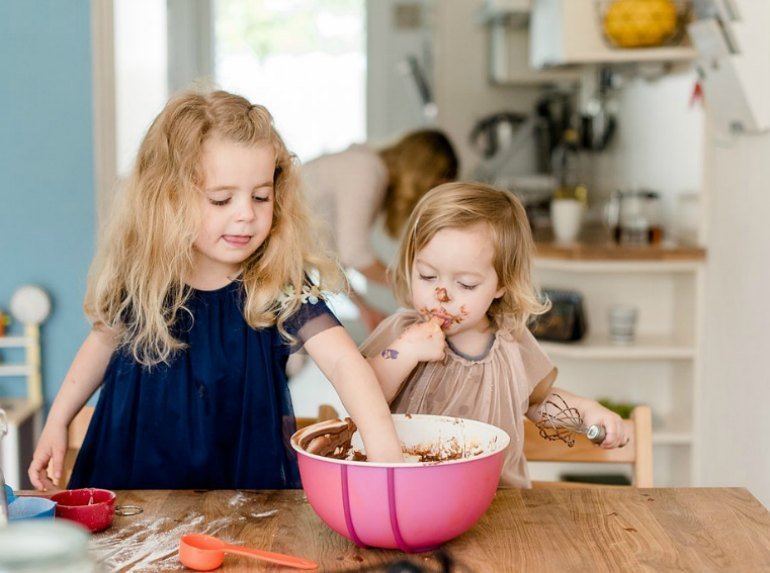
(136, 283)
(461, 205)
(417, 162)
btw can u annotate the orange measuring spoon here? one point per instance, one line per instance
(205, 553)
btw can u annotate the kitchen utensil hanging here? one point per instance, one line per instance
(494, 132)
(598, 123)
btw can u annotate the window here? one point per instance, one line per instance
(140, 60)
(305, 60)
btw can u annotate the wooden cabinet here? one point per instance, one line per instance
(24, 415)
(662, 367)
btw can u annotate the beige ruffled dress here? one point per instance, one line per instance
(492, 388)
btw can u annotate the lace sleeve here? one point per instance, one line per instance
(309, 320)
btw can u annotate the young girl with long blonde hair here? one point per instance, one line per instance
(199, 293)
(462, 348)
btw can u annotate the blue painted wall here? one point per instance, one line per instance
(47, 207)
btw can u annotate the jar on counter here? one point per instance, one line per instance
(634, 217)
(654, 208)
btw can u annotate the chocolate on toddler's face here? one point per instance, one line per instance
(441, 295)
(454, 278)
(448, 319)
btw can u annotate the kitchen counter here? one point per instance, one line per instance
(606, 529)
(588, 251)
(593, 244)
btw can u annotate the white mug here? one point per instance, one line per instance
(566, 218)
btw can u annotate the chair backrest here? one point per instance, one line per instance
(76, 433)
(325, 412)
(638, 452)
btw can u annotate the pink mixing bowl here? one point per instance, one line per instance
(411, 506)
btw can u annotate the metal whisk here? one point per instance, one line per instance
(560, 421)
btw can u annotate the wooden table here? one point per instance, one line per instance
(689, 529)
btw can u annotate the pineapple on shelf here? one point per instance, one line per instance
(640, 23)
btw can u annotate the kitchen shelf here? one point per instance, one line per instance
(14, 341)
(25, 415)
(30, 367)
(567, 32)
(602, 348)
(594, 253)
(614, 266)
(13, 370)
(661, 367)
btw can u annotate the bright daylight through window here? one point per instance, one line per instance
(305, 60)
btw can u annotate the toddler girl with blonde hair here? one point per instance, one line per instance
(462, 347)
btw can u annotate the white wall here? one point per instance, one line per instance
(663, 143)
(452, 45)
(463, 91)
(734, 422)
(393, 105)
(659, 142)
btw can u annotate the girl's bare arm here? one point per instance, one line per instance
(339, 359)
(421, 342)
(83, 378)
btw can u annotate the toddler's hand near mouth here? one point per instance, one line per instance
(425, 340)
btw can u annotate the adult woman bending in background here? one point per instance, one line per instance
(352, 189)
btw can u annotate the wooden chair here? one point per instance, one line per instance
(79, 427)
(325, 412)
(75, 436)
(638, 452)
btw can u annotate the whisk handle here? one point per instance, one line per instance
(596, 433)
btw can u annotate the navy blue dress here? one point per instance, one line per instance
(217, 417)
